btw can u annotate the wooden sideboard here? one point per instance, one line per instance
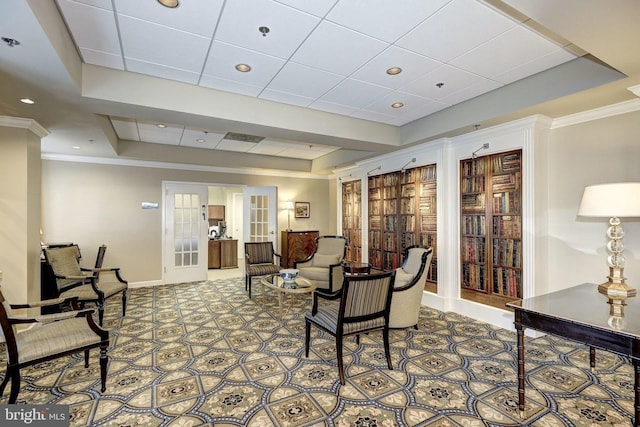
(223, 253)
(296, 246)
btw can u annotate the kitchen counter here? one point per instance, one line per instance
(223, 253)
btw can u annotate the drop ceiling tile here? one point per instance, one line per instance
(537, 65)
(337, 49)
(103, 59)
(372, 116)
(302, 153)
(224, 57)
(482, 86)
(455, 29)
(383, 19)
(162, 45)
(126, 129)
(270, 147)
(454, 80)
(229, 86)
(287, 27)
(505, 52)
(315, 7)
(295, 78)
(413, 66)
(93, 28)
(355, 93)
(170, 135)
(190, 139)
(240, 146)
(411, 102)
(158, 70)
(103, 4)
(331, 107)
(286, 98)
(182, 18)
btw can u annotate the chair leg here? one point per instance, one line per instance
(249, 286)
(307, 337)
(124, 303)
(339, 357)
(100, 305)
(15, 384)
(103, 368)
(5, 381)
(385, 336)
(86, 358)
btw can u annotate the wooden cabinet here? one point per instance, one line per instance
(223, 253)
(352, 219)
(216, 213)
(296, 246)
(491, 228)
(402, 213)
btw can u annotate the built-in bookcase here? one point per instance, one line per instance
(352, 219)
(402, 213)
(491, 227)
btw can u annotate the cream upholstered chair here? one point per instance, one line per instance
(360, 306)
(260, 260)
(84, 283)
(324, 266)
(408, 288)
(52, 336)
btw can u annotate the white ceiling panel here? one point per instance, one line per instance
(458, 27)
(180, 18)
(94, 28)
(539, 64)
(315, 7)
(355, 93)
(200, 139)
(337, 49)
(332, 107)
(125, 128)
(482, 86)
(103, 4)
(287, 27)
(412, 64)
(170, 135)
(286, 98)
(241, 146)
(453, 80)
(296, 78)
(162, 71)
(383, 19)
(224, 57)
(230, 86)
(104, 59)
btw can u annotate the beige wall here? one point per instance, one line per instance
(91, 204)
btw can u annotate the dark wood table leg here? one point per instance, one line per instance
(521, 379)
(636, 369)
(592, 358)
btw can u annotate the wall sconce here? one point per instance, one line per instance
(613, 201)
(288, 205)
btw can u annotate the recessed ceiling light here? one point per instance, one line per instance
(243, 68)
(394, 70)
(76, 147)
(161, 125)
(169, 3)
(397, 105)
(200, 140)
(27, 101)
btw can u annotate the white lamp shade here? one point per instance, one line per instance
(288, 205)
(611, 200)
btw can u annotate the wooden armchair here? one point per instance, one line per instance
(53, 336)
(260, 260)
(411, 277)
(84, 283)
(364, 304)
(324, 266)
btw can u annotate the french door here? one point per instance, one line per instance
(260, 215)
(185, 233)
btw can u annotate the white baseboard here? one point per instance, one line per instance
(145, 284)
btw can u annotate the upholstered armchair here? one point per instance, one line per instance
(360, 306)
(85, 283)
(50, 337)
(324, 266)
(260, 260)
(408, 287)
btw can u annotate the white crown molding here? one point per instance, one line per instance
(179, 166)
(598, 113)
(21, 123)
(635, 90)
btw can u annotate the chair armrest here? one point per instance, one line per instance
(48, 318)
(302, 263)
(43, 303)
(329, 297)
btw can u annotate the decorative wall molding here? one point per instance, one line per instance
(598, 113)
(19, 122)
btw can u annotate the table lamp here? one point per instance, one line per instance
(289, 207)
(614, 201)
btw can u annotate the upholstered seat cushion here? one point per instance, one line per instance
(315, 273)
(327, 317)
(263, 269)
(85, 292)
(53, 338)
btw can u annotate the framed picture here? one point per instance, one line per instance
(303, 209)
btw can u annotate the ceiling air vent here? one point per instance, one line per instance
(243, 137)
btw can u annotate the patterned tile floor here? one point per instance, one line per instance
(204, 354)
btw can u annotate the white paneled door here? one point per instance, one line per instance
(185, 236)
(260, 215)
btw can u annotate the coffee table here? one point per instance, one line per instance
(275, 282)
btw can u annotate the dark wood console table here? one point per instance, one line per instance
(581, 314)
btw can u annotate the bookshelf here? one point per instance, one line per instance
(491, 228)
(352, 219)
(402, 213)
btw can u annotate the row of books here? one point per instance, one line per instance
(389, 192)
(474, 225)
(506, 182)
(408, 190)
(428, 205)
(474, 277)
(389, 207)
(429, 223)
(474, 249)
(473, 203)
(507, 282)
(472, 167)
(475, 184)
(509, 226)
(508, 202)
(506, 162)
(354, 253)
(507, 252)
(428, 173)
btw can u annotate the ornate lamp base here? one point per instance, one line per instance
(616, 286)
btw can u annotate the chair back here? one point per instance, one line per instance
(65, 261)
(6, 332)
(366, 298)
(99, 259)
(259, 252)
(413, 261)
(332, 245)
